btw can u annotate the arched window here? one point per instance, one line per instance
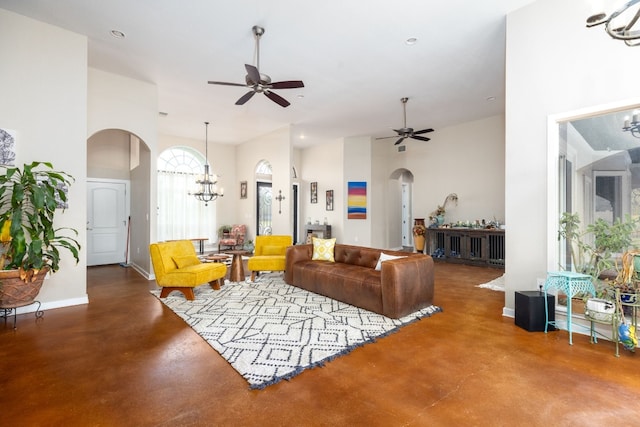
(180, 215)
(263, 173)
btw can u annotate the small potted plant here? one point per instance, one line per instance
(29, 241)
(224, 231)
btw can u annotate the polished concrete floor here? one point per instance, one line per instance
(126, 360)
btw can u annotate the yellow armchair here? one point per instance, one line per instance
(177, 268)
(269, 254)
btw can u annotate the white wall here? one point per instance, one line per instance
(275, 148)
(565, 68)
(466, 159)
(117, 102)
(108, 155)
(323, 164)
(43, 82)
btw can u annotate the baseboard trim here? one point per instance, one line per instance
(508, 312)
(54, 304)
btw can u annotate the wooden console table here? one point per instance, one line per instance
(475, 246)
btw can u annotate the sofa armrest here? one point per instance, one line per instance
(407, 284)
(294, 254)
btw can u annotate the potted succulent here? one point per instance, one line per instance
(29, 240)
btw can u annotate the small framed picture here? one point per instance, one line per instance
(329, 200)
(243, 189)
(314, 192)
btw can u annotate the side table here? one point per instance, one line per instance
(237, 269)
(571, 284)
(530, 311)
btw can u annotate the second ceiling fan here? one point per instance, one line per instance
(406, 132)
(261, 83)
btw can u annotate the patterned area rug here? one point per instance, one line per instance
(270, 331)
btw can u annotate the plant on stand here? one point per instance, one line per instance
(597, 248)
(30, 243)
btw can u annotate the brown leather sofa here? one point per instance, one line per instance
(401, 287)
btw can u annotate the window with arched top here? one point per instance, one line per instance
(181, 215)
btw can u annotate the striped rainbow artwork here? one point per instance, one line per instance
(357, 200)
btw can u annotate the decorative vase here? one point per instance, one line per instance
(418, 238)
(16, 292)
(440, 220)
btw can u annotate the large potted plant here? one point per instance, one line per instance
(29, 241)
(598, 248)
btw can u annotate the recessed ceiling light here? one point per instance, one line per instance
(491, 98)
(411, 40)
(300, 96)
(117, 34)
(163, 113)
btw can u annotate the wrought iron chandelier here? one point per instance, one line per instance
(620, 24)
(632, 124)
(207, 190)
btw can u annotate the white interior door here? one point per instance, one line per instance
(107, 222)
(406, 216)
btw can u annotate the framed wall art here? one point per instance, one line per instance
(329, 200)
(243, 189)
(357, 200)
(314, 192)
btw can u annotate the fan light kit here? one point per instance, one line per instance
(406, 132)
(261, 83)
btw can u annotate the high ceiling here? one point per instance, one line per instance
(351, 55)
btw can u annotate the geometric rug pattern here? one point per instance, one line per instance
(270, 331)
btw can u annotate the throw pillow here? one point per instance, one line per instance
(323, 249)
(386, 257)
(186, 261)
(272, 250)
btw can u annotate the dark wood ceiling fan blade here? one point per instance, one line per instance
(289, 84)
(277, 98)
(244, 98)
(423, 131)
(399, 141)
(226, 83)
(421, 138)
(253, 73)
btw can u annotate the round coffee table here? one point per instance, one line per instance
(237, 269)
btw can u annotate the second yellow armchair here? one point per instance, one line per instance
(269, 254)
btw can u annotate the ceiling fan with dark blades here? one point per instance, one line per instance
(406, 132)
(261, 83)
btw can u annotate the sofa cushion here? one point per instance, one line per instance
(323, 249)
(385, 257)
(186, 260)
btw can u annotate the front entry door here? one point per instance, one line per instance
(107, 222)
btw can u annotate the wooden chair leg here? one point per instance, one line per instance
(253, 276)
(215, 285)
(187, 292)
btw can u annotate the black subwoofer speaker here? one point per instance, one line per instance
(530, 310)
